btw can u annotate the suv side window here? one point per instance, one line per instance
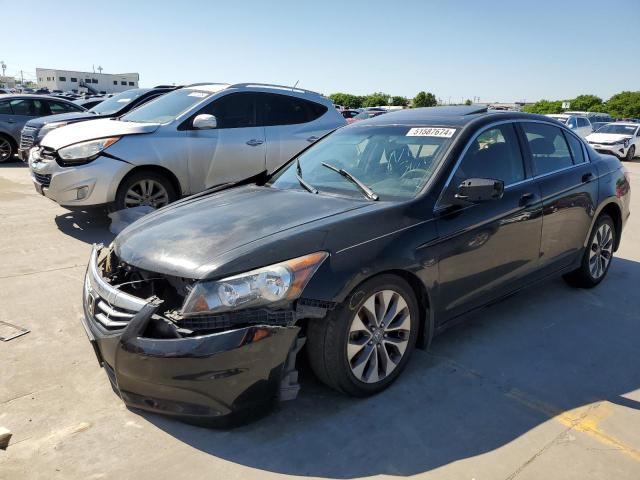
(549, 149)
(288, 110)
(236, 110)
(576, 148)
(495, 153)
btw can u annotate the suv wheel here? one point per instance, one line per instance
(631, 153)
(144, 188)
(597, 256)
(7, 149)
(365, 343)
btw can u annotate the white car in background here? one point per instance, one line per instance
(621, 139)
(581, 125)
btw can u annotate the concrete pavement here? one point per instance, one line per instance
(543, 385)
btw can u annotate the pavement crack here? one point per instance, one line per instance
(42, 271)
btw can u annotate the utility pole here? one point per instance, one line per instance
(100, 69)
(4, 66)
(21, 78)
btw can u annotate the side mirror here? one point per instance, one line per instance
(476, 190)
(204, 121)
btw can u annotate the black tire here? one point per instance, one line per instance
(631, 153)
(583, 277)
(13, 149)
(138, 177)
(327, 339)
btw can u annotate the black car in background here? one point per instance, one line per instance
(114, 106)
(367, 244)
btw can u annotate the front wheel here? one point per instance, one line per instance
(144, 188)
(597, 256)
(631, 153)
(365, 343)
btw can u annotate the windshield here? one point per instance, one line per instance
(394, 161)
(618, 129)
(167, 107)
(117, 102)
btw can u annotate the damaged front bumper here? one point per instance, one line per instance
(210, 379)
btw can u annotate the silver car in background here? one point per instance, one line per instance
(179, 144)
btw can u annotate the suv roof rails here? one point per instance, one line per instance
(204, 83)
(168, 86)
(275, 87)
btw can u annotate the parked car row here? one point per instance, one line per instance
(181, 143)
(353, 251)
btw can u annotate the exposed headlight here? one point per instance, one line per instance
(48, 127)
(282, 282)
(86, 150)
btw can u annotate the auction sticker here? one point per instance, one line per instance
(431, 132)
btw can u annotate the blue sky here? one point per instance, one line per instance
(495, 50)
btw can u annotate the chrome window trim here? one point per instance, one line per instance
(489, 126)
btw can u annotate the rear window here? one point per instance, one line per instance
(118, 102)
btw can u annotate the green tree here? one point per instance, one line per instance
(544, 106)
(624, 105)
(468, 102)
(346, 100)
(398, 101)
(425, 99)
(587, 103)
(376, 99)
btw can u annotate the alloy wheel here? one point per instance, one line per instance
(631, 153)
(146, 192)
(378, 336)
(601, 251)
(5, 149)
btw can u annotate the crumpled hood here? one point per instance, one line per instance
(89, 130)
(187, 240)
(606, 137)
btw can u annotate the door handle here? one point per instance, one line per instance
(312, 139)
(254, 142)
(525, 199)
(587, 177)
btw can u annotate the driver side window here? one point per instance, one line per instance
(495, 153)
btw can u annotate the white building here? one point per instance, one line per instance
(69, 80)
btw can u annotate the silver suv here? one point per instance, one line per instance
(183, 142)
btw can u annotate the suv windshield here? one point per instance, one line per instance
(167, 107)
(394, 161)
(118, 102)
(618, 129)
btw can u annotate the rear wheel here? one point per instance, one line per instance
(597, 256)
(144, 188)
(7, 149)
(365, 343)
(631, 153)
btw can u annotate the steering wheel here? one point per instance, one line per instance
(414, 173)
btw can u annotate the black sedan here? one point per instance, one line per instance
(362, 248)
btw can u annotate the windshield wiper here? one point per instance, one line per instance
(308, 187)
(370, 194)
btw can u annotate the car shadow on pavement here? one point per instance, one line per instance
(87, 226)
(15, 163)
(483, 384)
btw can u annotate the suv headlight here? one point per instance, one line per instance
(86, 150)
(281, 282)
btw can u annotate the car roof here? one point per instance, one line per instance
(30, 95)
(458, 116)
(628, 124)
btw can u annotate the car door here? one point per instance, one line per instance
(291, 124)
(232, 151)
(569, 188)
(22, 110)
(488, 249)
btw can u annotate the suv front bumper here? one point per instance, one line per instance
(216, 379)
